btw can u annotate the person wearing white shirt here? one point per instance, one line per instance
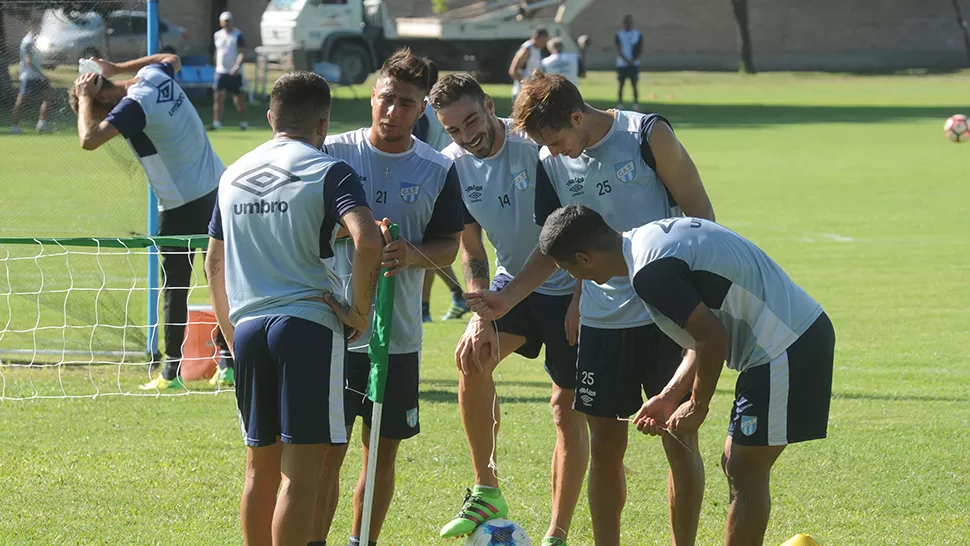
(560, 62)
(230, 48)
(528, 58)
(33, 83)
(629, 45)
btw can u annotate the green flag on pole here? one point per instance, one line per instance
(380, 337)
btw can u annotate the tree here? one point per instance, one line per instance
(746, 60)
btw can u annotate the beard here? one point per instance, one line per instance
(481, 145)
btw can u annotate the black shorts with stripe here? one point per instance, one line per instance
(787, 400)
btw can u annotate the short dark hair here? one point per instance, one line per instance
(546, 101)
(540, 32)
(405, 66)
(575, 229)
(432, 73)
(298, 100)
(452, 88)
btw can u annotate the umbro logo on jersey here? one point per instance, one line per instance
(575, 185)
(264, 179)
(474, 193)
(166, 92)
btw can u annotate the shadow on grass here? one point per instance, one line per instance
(453, 383)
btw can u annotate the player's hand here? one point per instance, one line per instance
(355, 321)
(88, 85)
(653, 416)
(572, 323)
(477, 346)
(687, 418)
(234, 71)
(396, 255)
(488, 304)
(108, 68)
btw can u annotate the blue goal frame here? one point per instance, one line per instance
(153, 282)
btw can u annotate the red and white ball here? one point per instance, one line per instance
(956, 128)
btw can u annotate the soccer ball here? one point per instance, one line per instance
(956, 128)
(499, 532)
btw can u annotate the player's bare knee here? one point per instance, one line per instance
(607, 441)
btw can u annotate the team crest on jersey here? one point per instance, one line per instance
(412, 417)
(410, 192)
(626, 171)
(748, 425)
(166, 92)
(521, 181)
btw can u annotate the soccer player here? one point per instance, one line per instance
(412, 185)
(631, 167)
(271, 236)
(164, 131)
(715, 292)
(430, 131)
(33, 83)
(528, 58)
(497, 169)
(230, 48)
(560, 62)
(629, 46)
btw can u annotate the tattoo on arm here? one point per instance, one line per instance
(476, 269)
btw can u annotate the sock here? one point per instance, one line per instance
(486, 490)
(225, 362)
(217, 124)
(317, 543)
(425, 307)
(456, 295)
(243, 124)
(171, 369)
(355, 541)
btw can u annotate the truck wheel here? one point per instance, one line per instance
(354, 62)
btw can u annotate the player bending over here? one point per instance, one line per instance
(270, 287)
(497, 169)
(164, 131)
(715, 292)
(412, 185)
(632, 168)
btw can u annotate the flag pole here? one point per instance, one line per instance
(377, 350)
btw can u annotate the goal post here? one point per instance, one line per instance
(71, 314)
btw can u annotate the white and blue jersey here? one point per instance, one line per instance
(617, 178)
(419, 191)
(499, 194)
(29, 59)
(430, 131)
(678, 263)
(278, 212)
(168, 137)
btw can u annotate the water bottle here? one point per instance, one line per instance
(86, 66)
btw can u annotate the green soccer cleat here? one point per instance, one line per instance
(162, 384)
(224, 378)
(553, 541)
(457, 310)
(481, 504)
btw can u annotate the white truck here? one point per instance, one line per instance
(357, 35)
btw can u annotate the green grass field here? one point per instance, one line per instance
(846, 181)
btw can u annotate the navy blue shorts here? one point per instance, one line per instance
(615, 366)
(787, 400)
(399, 417)
(34, 88)
(541, 320)
(228, 82)
(290, 381)
(631, 73)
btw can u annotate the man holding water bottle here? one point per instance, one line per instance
(165, 132)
